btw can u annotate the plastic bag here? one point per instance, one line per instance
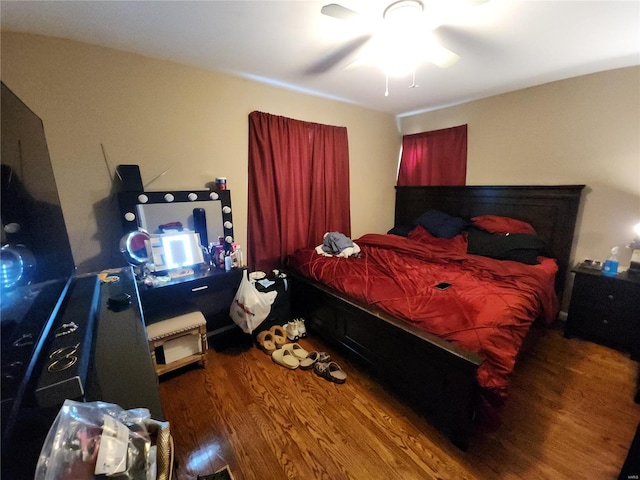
(96, 440)
(250, 307)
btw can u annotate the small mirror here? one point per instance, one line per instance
(134, 246)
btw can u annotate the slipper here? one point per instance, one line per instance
(298, 352)
(279, 335)
(307, 363)
(265, 341)
(285, 358)
(313, 357)
(324, 357)
(331, 371)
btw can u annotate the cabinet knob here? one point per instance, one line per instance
(610, 297)
(606, 322)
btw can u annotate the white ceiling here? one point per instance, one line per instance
(503, 45)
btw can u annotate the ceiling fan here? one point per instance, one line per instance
(401, 39)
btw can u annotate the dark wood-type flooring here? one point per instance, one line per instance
(570, 415)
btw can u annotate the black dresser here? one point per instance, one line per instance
(86, 348)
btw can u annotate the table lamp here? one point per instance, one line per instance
(634, 266)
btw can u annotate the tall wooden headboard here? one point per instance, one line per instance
(551, 210)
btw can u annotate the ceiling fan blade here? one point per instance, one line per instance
(338, 11)
(440, 56)
(339, 56)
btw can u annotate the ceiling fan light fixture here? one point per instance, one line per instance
(397, 51)
(403, 10)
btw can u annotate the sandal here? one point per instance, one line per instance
(331, 371)
(298, 352)
(265, 341)
(279, 335)
(307, 363)
(324, 357)
(313, 357)
(285, 358)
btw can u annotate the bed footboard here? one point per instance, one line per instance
(436, 377)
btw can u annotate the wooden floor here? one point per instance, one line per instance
(570, 415)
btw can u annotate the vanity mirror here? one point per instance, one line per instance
(203, 211)
(133, 246)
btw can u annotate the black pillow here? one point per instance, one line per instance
(518, 247)
(402, 230)
(440, 224)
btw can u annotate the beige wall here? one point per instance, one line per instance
(584, 130)
(163, 115)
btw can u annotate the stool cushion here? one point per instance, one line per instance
(174, 325)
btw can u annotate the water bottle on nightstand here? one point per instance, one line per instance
(610, 267)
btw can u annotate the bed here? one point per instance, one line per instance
(440, 350)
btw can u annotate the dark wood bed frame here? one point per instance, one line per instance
(437, 377)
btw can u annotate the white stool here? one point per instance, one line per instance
(183, 340)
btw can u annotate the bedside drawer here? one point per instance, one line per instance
(605, 310)
(597, 323)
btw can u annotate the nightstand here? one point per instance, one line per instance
(606, 310)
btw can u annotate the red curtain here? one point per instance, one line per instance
(298, 187)
(438, 157)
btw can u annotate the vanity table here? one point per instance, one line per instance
(209, 289)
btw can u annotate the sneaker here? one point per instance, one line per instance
(302, 330)
(293, 333)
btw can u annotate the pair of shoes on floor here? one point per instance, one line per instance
(295, 329)
(312, 358)
(272, 339)
(331, 371)
(289, 356)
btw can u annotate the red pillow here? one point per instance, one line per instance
(457, 244)
(498, 224)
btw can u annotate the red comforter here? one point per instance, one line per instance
(488, 309)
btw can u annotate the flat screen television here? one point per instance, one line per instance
(36, 263)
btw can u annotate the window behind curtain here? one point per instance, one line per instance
(298, 187)
(438, 157)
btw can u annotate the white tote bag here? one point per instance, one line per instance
(250, 307)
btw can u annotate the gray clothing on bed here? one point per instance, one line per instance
(335, 242)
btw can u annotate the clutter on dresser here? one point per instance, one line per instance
(95, 439)
(592, 264)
